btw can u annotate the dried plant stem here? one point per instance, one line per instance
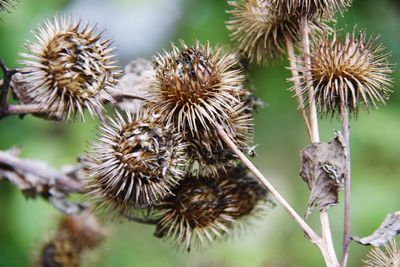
(296, 81)
(327, 252)
(347, 185)
(315, 137)
(311, 100)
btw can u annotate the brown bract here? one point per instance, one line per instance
(204, 209)
(260, 28)
(352, 72)
(197, 87)
(69, 68)
(134, 163)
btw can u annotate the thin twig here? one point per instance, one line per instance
(48, 176)
(307, 63)
(307, 229)
(347, 185)
(296, 81)
(327, 237)
(5, 86)
(141, 220)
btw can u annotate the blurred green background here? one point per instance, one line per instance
(274, 241)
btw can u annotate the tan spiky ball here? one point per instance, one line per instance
(134, 163)
(387, 257)
(196, 88)
(75, 235)
(353, 72)
(203, 209)
(261, 29)
(70, 67)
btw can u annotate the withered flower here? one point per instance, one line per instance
(261, 29)
(69, 68)
(203, 209)
(76, 234)
(354, 72)
(196, 88)
(134, 163)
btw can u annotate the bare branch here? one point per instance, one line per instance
(36, 178)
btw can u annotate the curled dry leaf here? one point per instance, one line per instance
(135, 83)
(386, 232)
(322, 168)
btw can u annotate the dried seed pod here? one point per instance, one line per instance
(134, 163)
(75, 235)
(196, 88)
(354, 72)
(203, 209)
(389, 257)
(311, 8)
(261, 30)
(69, 68)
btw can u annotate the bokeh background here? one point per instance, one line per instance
(142, 27)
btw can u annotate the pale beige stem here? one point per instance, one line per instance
(307, 63)
(314, 137)
(324, 247)
(296, 82)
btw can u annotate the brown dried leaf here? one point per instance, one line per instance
(322, 168)
(386, 232)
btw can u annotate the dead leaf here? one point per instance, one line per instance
(386, 232)
(323, 167)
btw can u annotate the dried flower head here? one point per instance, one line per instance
(196, 88)
(134, 162)
(354, 72)
(69, 68)
(203, 209)
(311, 8)
(389, 257)
(261, 30)
(75, 235)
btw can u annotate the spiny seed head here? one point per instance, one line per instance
(196, 88)
(134, 163)
(70, 67)
(389, 257)
(311, 8)
(261, 30)
(354, 72)
(203, 209)
(75, 235)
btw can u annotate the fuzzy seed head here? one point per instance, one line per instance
(261, 30)
(70, 67)
(311, 8)
(354, 72)
(134, 163)
(196, 88)
(389, 257)
(202, 209)
(75, 235)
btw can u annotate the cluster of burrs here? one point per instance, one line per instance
(353, 71)
(165, 162)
